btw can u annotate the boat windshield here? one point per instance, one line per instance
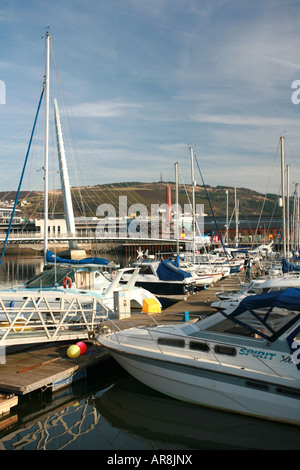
(261, 323)
(266, 316)
(252, 288)
(51, 276)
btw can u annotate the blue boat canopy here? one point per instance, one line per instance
(268, 315)
(287, 299)
(274, 322)
(52, 258)
(167, 271)
(288, 267)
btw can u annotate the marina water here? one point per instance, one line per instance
(111, 411)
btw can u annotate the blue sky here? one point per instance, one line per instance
(144, 79)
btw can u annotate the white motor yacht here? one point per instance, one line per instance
(248, 288)
(245, 362)
(162, 278)
(255, 287)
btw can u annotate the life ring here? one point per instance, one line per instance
(113, 274)
(65, 280)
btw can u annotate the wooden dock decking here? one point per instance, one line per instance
(47, 367)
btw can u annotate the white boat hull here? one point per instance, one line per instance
(199, 386)
(247, 362)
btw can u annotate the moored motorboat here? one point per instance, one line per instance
(245, 362)
(162, 277)
(83, 279)
(255, 287)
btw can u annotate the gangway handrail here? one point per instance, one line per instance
(67, 313)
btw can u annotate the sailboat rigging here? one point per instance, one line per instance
(68, 208)
(22, 176)
(45, 92)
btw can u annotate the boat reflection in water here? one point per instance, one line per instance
(134, 407)
(112, 411)
(65, 420)
(16, 270)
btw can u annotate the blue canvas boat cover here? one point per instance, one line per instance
(167, 271)
(265, 324)
(52, 258)
(288, 267)
(288, 299)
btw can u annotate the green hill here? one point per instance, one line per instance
(87, 199)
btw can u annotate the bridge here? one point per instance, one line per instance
(129, 245)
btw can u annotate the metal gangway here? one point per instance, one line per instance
(48, 316)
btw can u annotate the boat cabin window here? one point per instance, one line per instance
(199, 346)
(178, 343)
(227, 350)
(146, 270)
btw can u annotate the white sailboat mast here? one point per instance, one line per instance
(193, 202)
(177, 208)
(64, 178)
(226, 236)
(46, 147)
(288, 209)
(283, 197)
(236, 203)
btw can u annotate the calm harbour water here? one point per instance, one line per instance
(111, 411)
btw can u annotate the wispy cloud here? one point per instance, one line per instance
(246, 120)
(102, 109)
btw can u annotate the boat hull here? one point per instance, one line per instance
(165, 288)
(211, 389)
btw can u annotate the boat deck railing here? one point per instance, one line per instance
(147, 322)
